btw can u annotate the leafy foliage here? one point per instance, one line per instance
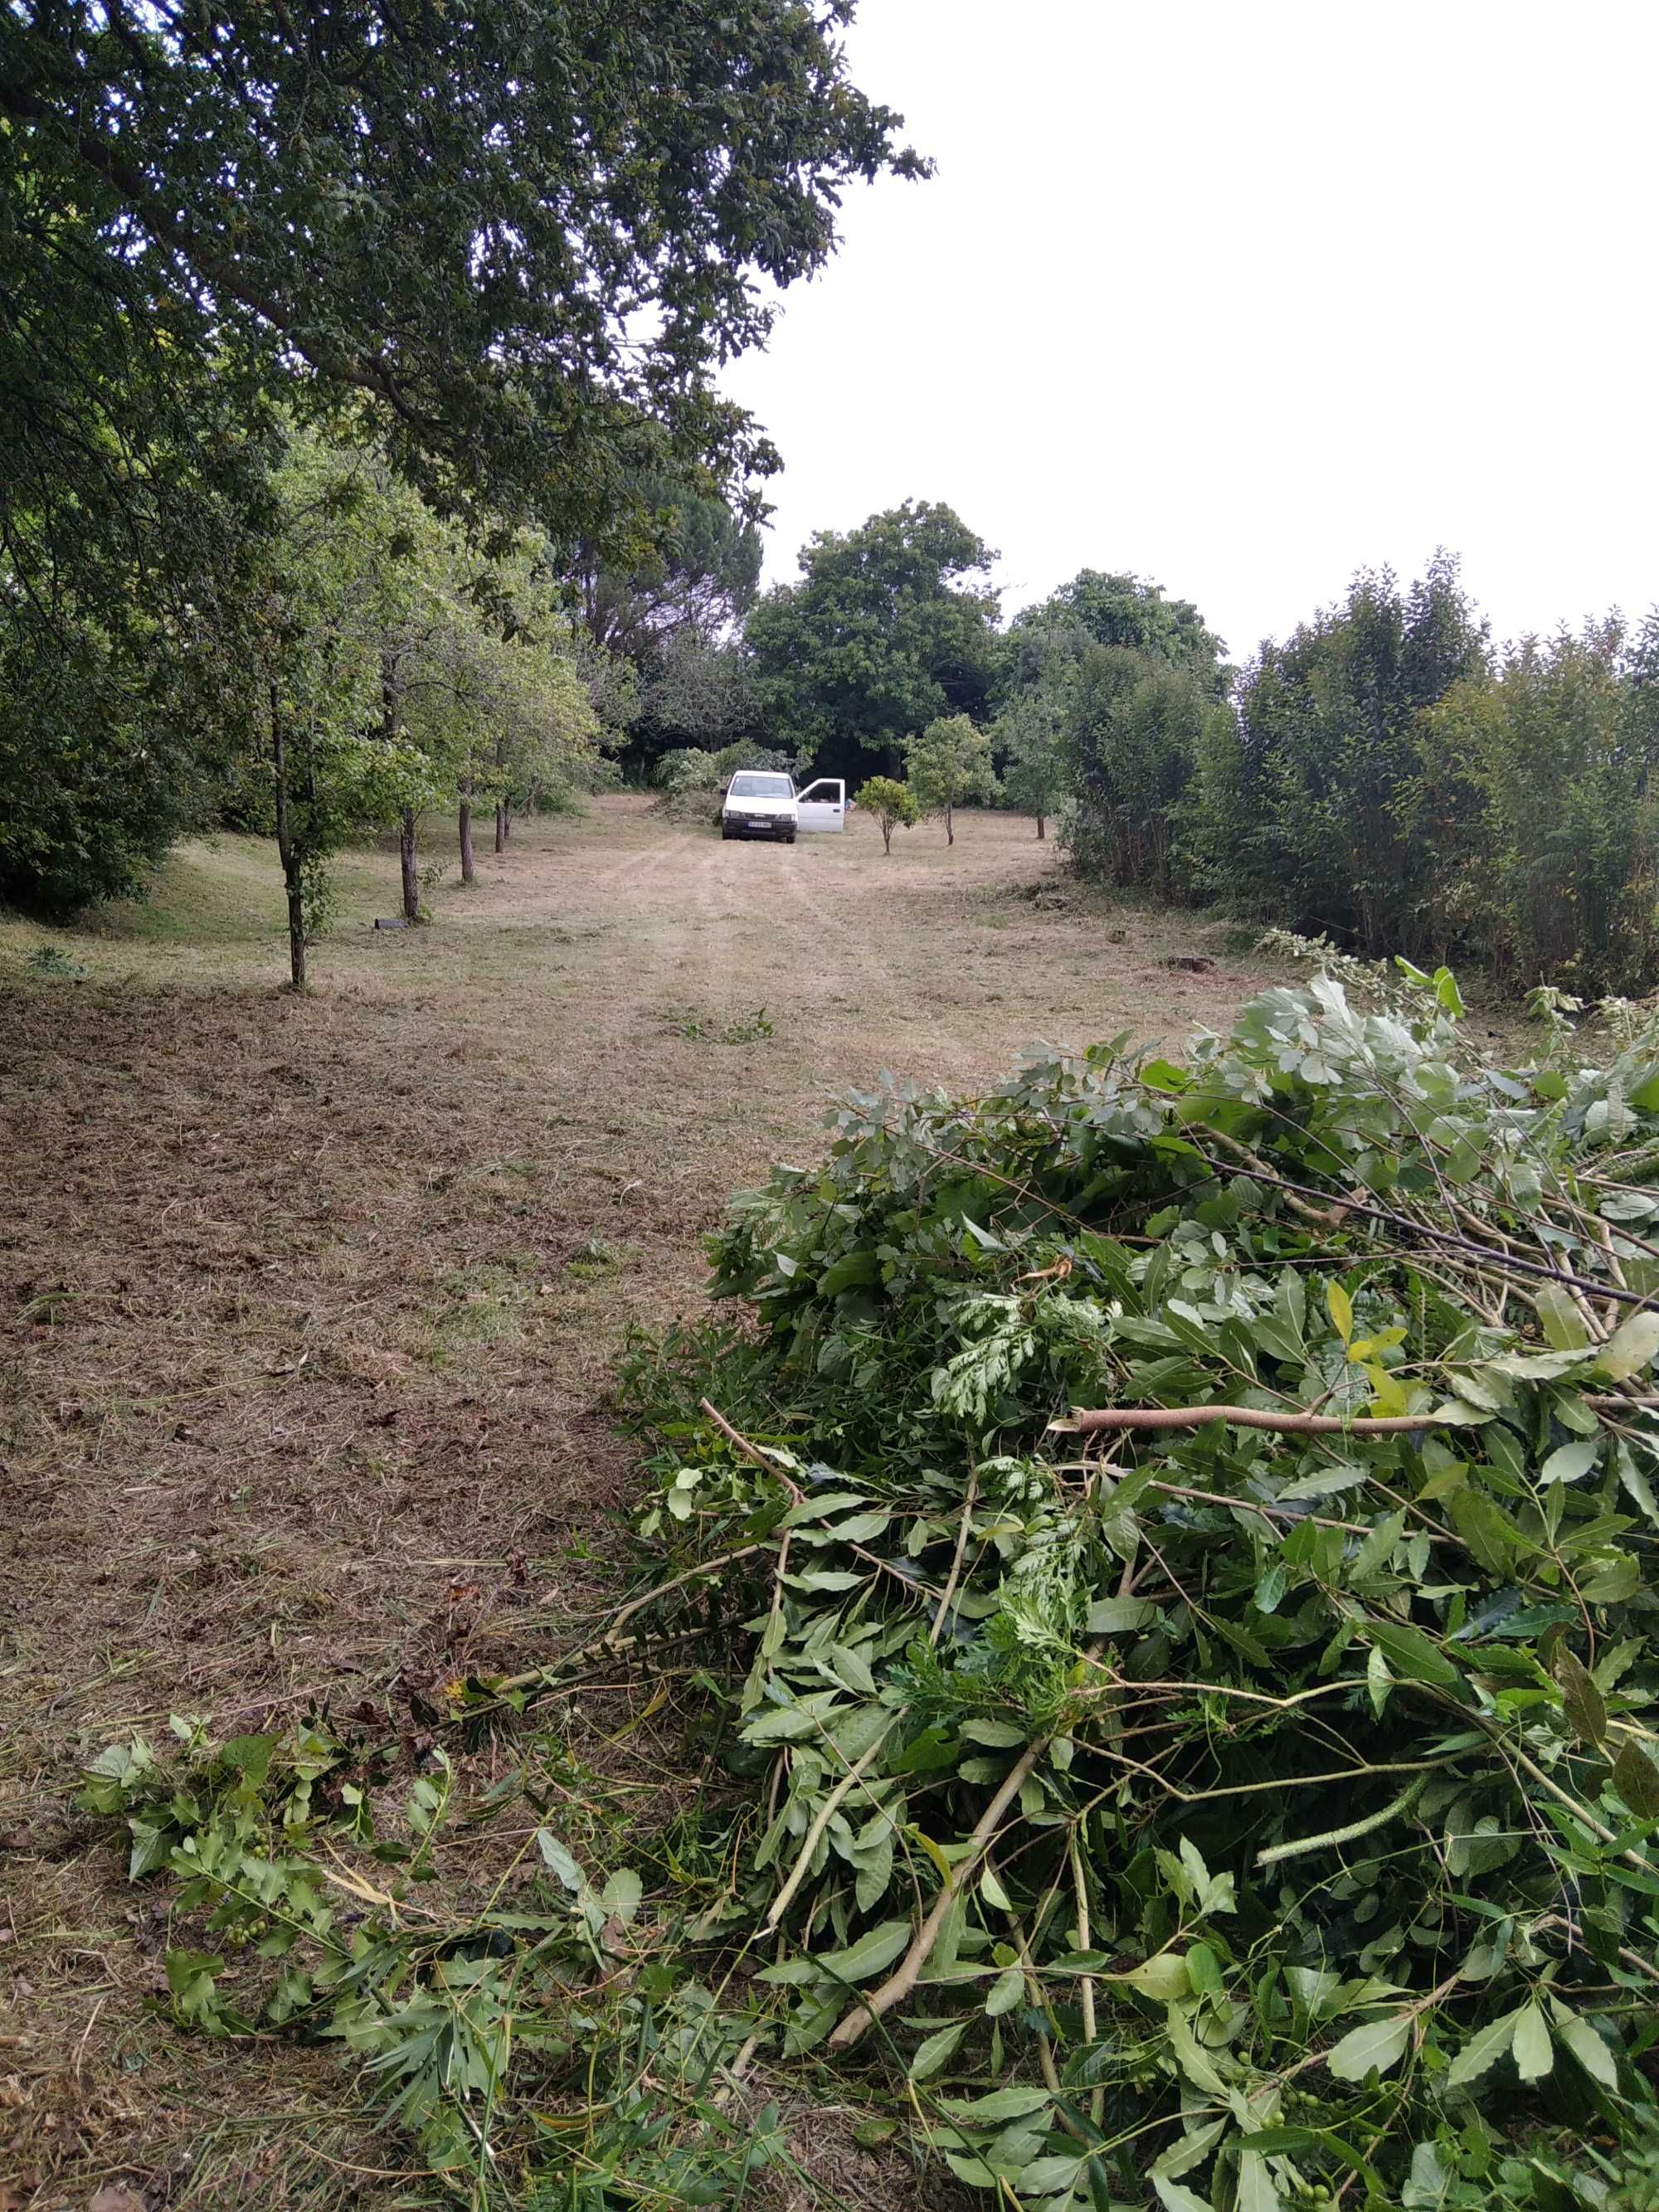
(893, 804)
(523, 274)
(1129, 741)
(1534, 804)
(510, 246)
(1115, 609)
(1026, 739)
(692, 783)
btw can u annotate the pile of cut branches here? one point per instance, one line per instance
(1198, 1534)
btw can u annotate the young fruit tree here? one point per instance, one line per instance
(892, 803)
(315, 661)
(949, 763)
(1028, 734)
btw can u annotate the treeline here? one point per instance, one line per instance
(1388, 778)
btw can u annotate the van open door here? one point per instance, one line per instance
(823, 805)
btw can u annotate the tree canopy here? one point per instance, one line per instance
(891, 626)
(1099, 608)
(525, 232)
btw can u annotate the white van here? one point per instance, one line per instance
(764, 803)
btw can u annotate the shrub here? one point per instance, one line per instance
(690, 783)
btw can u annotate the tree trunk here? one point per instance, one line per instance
(950, 832)
(1043, 829)
(887, 837)
(406, 855)
(501, 827)
(469, 871)
(288, 851)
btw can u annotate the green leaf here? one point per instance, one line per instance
(1410, 1654)
(1120, 1616)
(1188, 2151)
(932, 2054)
(1160, 1977)
(1631, 1347)
(555, 1855)
(782, 1724)
(860, 1528)
(622, 1894)
(1563, 1323)
(992, 1891)
(1005, 1992)
(251, 1754)
(871, 1954)
(853, 1667)
(1191, 2059)
(850, 1274)
(1636, 1778)
(1175, 2197)
(1376, 2043)
(1046, 2175)
(1256, 2192)
(1583, 1702)
(1011, 2104)
(1482, 2051)
(1493, 1538)
(1328, 1481)
(1000, 1735)
(1568, 1462)
(1587, 2048)
(1535, 2054)
(819, 1508)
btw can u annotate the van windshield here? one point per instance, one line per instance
(750, 784)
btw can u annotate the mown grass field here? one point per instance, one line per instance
(309, 1313)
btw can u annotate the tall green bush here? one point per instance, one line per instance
(1302, 805)
(1535, 808)
(1129, 738)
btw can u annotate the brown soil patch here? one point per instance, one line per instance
(308, 1312)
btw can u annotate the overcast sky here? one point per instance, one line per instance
(1244, 294)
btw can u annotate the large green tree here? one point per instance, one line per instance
(890, 628)
(523, 237)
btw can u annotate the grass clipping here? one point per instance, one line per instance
(1247, 1812)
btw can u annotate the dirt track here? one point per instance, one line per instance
(309, 1310)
